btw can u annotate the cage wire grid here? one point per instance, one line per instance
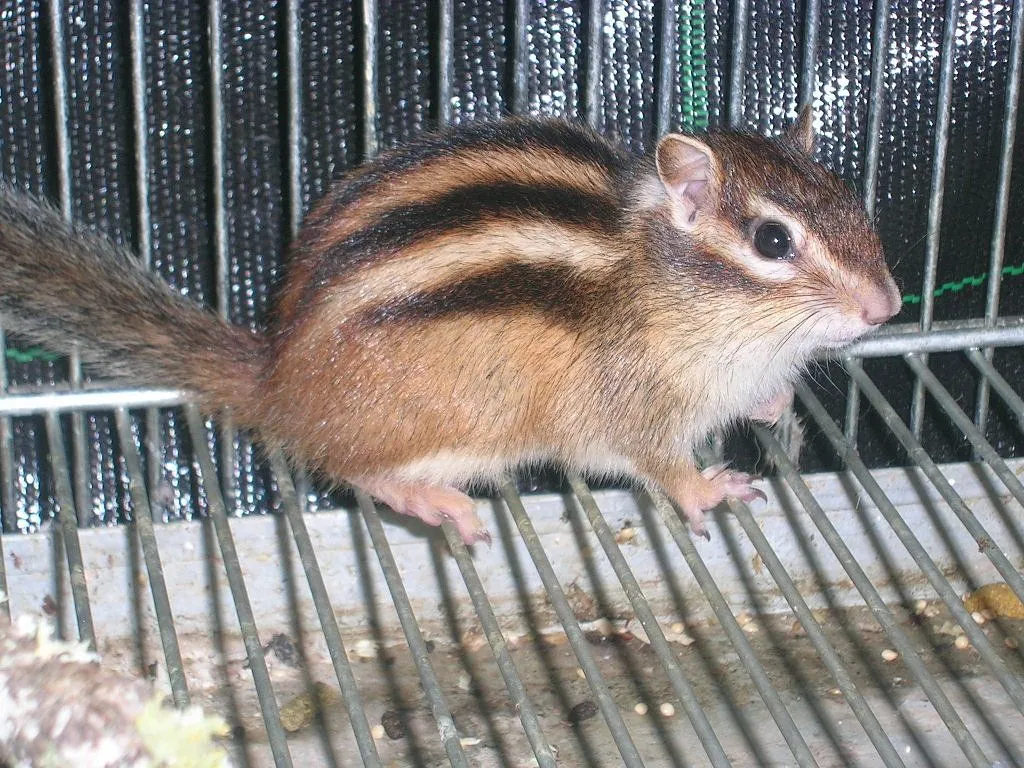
(997, 535)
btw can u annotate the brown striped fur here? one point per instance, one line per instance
(503, 293)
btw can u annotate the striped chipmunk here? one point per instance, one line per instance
(499, 294)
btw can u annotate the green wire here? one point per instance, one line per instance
(971, 281)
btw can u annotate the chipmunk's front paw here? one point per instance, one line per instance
(701, 491)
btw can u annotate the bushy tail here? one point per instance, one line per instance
(60, 285)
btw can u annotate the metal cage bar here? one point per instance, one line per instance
(936, 195)
(447, 731)
(239, 593)
(69, 530)
(847, 452)
(328, 622)
(998, 247)
(605, 702)
(143, 520)
(489, 622)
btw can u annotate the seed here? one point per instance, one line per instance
(889, 655)
(640, 708)
(667, 710)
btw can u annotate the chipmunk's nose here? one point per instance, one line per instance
(879, 303)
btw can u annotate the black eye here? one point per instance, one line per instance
(772, 241)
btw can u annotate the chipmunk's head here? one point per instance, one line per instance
(775, 232)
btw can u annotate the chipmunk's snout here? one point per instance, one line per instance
(878, 303)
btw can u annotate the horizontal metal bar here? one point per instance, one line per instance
(902, 339)
(410, 626)
(492, 631)
(59, 401)
(151, 555)
(899, 340)
(325, 612)
(659, 644)
(602, 695)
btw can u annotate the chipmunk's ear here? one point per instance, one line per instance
(800, 135)
(689, 171)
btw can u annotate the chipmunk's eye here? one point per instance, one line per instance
(773, 241)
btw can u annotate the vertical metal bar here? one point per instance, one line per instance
(879, 47)
(666, 65)
(370, 112)
(680, 686)
(489, 622)
(520, 54)
(410, 626)
(938, 181)
(1002, 387)
(598, 686)
(325, 612)
(151, 554)
(995, 268)
(69, 529)
(239, 594)
(293, 161)
(812, 16)
(143, 219)
(220, 226)
(8, 514)
(848, 454)
(58, 60)
(595, 61)
(445, 60)
(58, 53)
(738, 62)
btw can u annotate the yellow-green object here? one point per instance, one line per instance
(998, 598)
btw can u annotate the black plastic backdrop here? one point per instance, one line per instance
(178, 99)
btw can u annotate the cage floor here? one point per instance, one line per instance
(492, 735)
(724, 684)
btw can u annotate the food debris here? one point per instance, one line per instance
(301, 711)
(640, 708)
(582, 711)
(625, 535)
(889, 655)
(667, 709)
(997, 598)
(377, 732)
(962, 643)
(393, 724)
(364, 649)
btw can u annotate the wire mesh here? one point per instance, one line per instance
(631, 591)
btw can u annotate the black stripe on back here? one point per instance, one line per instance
(574, 140)
(464, 209)
(559, 293)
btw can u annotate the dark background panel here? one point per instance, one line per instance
(179, 104)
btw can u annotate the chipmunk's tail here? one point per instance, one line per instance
(61, 285)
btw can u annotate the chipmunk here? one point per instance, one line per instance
(498, 294)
